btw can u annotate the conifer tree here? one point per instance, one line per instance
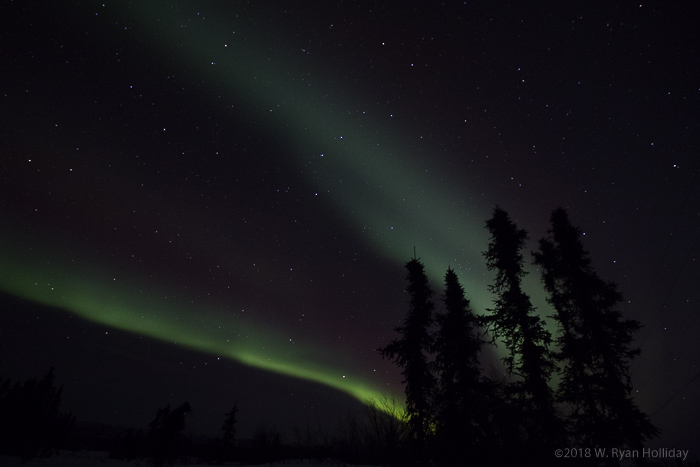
(229, 427)
(594, 342)
(410, 351)
(514, 321)
(228, 430)
(457, 347)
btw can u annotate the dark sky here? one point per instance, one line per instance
(214, 201)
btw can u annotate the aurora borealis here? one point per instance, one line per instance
(245, 181)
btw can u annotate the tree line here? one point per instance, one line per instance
(568, 390)
(33, 425)
(372, 436)
(571, 389)
(31, 420)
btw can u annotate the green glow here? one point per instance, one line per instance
(121, 305)
(367, 173)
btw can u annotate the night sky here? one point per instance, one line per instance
(214, 201)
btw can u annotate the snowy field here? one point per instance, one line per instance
(98, 458)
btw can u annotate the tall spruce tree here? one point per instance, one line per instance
(228, 430)
(457, 347)
(594, 342)
(515, 323)
(410, 352)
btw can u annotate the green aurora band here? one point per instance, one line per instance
(123, 304)
(367, 175)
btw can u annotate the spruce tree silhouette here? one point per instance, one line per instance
(410, 352)
(594, 342)
(228, 430)
(513, 321)
(458, 400)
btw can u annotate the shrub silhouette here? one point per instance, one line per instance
(31, 422)
(164, 435)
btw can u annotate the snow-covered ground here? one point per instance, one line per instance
(98, 458)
